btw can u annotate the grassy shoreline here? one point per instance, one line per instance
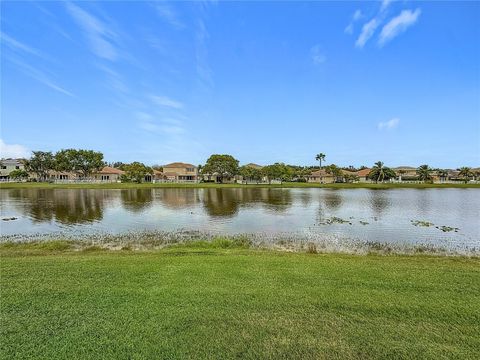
(213, 185)
(188, 302)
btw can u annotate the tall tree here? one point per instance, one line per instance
(136, 172)
(277, 171)
(443, 174)
(465, 172)
(221, 165)
(320, 157)
(380, 172)
(250, 173)
(40, 164)
(334, 170)
(84, 162)
(424, 173)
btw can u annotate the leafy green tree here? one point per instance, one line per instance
(40, 164)
(424, 173)
(221, 165)
(351, 178)
(18, 174)
(465, 172)
(84, 162)
(380, 172)
(277, 171)
(136, 172)
(250, 173)
(334, 170)
(320, 157)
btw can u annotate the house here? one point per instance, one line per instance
(363, 174)
(109, 174)
(9, 165)
(179, 171)
(406, 173)
(62, 175)
(321, 176)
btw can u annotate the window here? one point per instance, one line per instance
(105, 177)
(190, 169)
(4, 167)
(17, 167)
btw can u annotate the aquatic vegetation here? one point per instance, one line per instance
(447, 228)
(364, 222)
(421, 223)
(9, 218)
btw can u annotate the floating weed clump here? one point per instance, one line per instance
(335, 220)
(421, 223)
(364, 222)
(447, 228)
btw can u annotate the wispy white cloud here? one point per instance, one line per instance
(100, 37)
(168, 14)
(20, 47)
(318, 57)
(357, 15)
(385, 4)
(40, 76)
(368, 30)
(114, 79)
(165, 127)
(388, 125)
(13, 150)
(166, 102)
(201, 53)
(398, 25)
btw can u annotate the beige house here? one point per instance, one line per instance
(9, 165)
(179, 171)
(363, 175)
(109, 174)
(406, 172)
(321, 176)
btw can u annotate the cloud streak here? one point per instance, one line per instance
(100, 38)
(388, 125)
(166, 102)
(167, 13)
(40, 76)
(397, 25)
(367, 32)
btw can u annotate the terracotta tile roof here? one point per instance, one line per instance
(179, 165)
(363, 172)
(111, 170)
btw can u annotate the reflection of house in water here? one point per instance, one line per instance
(178, 197)
(226, 202)
(65, 206)
(136, 199)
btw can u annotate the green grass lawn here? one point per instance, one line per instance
(34, 185)
(215, 303)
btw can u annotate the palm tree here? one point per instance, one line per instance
(442, 174)
(380, 172)
(423, 173)
(465, 172)
(319, 157)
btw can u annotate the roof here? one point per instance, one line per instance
(405, 168)
(111, 170)
(12, 161)
(348, 172)
(320, 173)
(255, 166)
(179, 165)
(363, 172)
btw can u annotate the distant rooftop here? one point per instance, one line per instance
(179, 165)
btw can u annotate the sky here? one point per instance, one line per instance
(158, 82)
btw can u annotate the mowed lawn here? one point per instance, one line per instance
(209, 303)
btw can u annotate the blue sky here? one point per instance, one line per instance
(397, 81)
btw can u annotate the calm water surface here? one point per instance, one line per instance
(354, 214)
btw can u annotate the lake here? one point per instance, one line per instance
(444, 218)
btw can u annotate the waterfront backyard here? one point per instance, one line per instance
(218, 300)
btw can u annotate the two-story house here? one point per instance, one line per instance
(179, 171)
(9, 165)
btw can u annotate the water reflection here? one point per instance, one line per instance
(67, 207)
(379, 201)
(136, 200)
